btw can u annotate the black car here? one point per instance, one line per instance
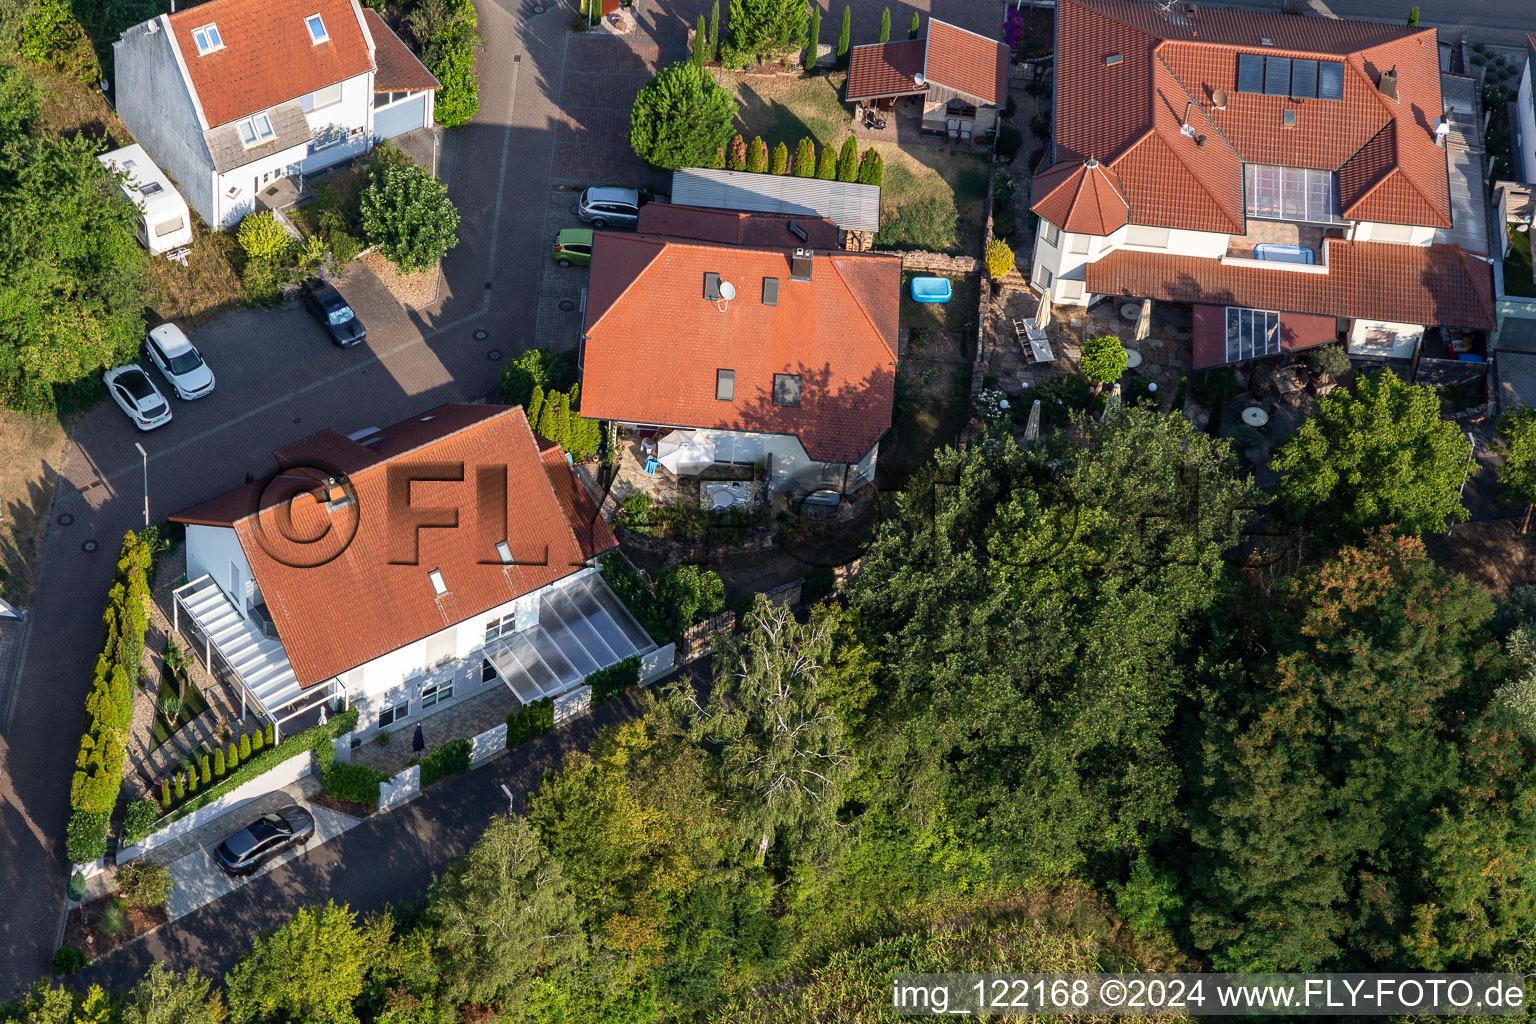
(265, 838)
(326, 303)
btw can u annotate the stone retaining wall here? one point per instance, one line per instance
(938, 262)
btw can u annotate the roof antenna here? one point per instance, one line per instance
(727, 293)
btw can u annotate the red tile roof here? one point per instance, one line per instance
(267, 56)
(885, 69)
(1110, 111)
(735, 227)
(950, 56)
(398, 69)
(1431, 285)
(360, 604)
(967, 62)
(654, 343)
(1086, 200)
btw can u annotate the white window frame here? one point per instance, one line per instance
(311, 102)
(436, 693)
(255, 130)
(395, 97)
(1258, 333)
(398, 709)
(207, 39)
(1304, 194)
(310, 23)
(495, 629)
(1052, 234)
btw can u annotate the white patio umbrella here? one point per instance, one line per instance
(684, 453)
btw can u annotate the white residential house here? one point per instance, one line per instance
(1525, 117)
(237, 98)
(390, 614)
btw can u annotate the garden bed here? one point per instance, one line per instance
(192, 705)
(83, 930)
(351, 808)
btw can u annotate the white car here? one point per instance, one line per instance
(179, 362)
(131, 388)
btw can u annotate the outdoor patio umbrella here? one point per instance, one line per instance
(684, 453)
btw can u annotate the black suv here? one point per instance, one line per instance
(327, 305)
(265, 838)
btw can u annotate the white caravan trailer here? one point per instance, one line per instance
(165, 226)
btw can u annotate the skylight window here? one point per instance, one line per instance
(438, 586)
(207, 39)
(504, 552)
(256, 130)
(316, 26)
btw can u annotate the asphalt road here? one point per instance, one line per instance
(1493, 21)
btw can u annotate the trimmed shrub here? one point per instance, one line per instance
(356, 783)
(700, 42)
(813, 39)
(871, 167)
(737, 158)
(680, 118)
(529, 721)
(85, 838)
(232, 757)
(449, 759)
(181, 787)
(1330, 359)
(999, 258)
(1102, 360)
(885, 26)
(263, 238)
(192, 780)
(203, 768)
(165, 794)
(113, 918)
(609, 682)
(67, 960)
(245, 746)
(144, 883)
(826, 164)
(916, 26)
(848, 160)
(139, 820)
(805, 158)
(845, 36)
(218, 762)
(270, 734)
(714, 31)
(757, 156)
(258, 740)
(780, 164)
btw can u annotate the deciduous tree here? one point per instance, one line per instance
(164, 997)
(311, 968)
(408, 215)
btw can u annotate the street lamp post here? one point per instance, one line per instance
(145, 455)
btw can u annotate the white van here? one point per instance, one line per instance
(166, 224)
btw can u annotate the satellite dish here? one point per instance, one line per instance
(1219, 99)
(727, 291)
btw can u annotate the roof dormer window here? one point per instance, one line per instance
(317, 32)
(255, 130)
(207, 39)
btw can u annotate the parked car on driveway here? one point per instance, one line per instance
(612, 207)
(338, 318)
(265, 838)
(179, 362)
(573, 247)
(133, 391)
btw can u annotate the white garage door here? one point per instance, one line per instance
(400, 118)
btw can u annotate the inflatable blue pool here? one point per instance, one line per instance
(931, 289)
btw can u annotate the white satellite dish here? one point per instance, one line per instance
(727, 291)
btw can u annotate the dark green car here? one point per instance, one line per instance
(573, 247)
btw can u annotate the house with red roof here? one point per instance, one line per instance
(233, 98)
(401, 570)
(1295, 179)
(1525, 112)
(782, 354)
(954, 81)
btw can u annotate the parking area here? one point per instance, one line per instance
(603, 74)
(562, 290)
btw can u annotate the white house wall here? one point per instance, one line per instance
(353, 113)
(280, 165)
(155, 105)
(1401, 234)
(1068, 266)
(210, 550)
(1526, 125)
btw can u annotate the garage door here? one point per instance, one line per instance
(400, 118)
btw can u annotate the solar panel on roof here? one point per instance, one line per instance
(1250, 72)
(1304, 79)
(1277, 76)
(1330, 80)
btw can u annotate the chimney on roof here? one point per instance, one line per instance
(1387, 84)
(800, 264)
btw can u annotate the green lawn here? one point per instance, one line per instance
(958, 314)
(932, 197)
(919, 429)
(192, 706)
(1517, 266)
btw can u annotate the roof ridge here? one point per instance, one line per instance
(1105, 14)
(649, 240)
(1466, 259)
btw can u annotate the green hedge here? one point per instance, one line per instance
(98, 773)
(449, 759)
(609, 682)
(317, 739)
(356, 783)
(529, 721)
